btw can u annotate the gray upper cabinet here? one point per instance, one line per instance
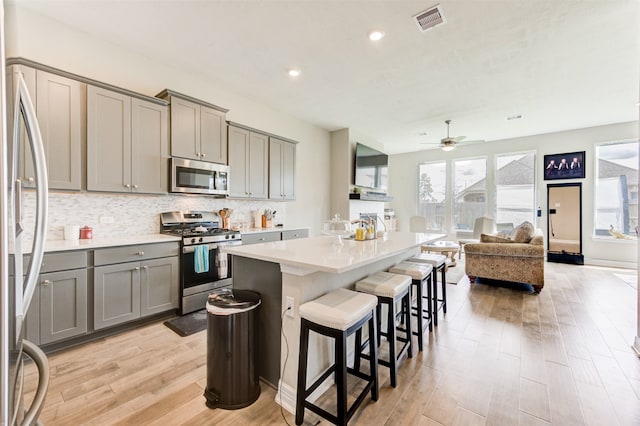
(198, 129)
(248, 164)
(60, 107)
(149, 147)
(282, 169)
(126, 143)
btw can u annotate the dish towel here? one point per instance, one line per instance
(201, 258)
(222, 264)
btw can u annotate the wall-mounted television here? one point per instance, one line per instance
(371, 168)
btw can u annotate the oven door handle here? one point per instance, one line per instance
(191, 249)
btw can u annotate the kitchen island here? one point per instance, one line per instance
(297, 271)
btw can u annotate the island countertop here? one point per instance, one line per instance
(322, 254)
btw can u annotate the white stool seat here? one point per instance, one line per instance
(436, 260)
(416, 271)
(339, 309)
(384, 284)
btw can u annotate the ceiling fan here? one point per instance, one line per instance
(449, 143)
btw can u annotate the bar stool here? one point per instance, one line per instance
(338, 314)
(390, 289)
(419, 273)
(439, 263)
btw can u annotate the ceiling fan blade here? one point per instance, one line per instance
(459, 138)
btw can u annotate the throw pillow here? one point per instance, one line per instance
(523, 232)
(485, 238)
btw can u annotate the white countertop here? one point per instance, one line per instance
(65, 245)
(321, 253)
(274, 229)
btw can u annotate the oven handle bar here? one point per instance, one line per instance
(190, 249)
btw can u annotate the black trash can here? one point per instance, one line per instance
(232, 377)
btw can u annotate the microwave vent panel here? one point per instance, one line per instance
(429, 18)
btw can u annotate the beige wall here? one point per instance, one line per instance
(40, 39)
(403, 176)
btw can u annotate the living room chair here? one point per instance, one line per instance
(482, 225)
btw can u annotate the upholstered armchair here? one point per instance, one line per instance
(518, 259)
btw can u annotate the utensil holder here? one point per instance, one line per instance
(266, 223)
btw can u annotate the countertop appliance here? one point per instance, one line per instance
(17, 290)
(204, 263)
(199, 177)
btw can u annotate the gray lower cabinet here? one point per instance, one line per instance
(260, 237)
(125, 290)
(295, 234)
(63, 305)
(58, 309)
(127, 143)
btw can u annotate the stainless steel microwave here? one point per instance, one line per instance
(199, 177)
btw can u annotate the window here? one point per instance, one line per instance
(616, 198)
(515, 189)
(469, 193)
(431, 194)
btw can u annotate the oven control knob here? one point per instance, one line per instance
(200, 240)
(193, 241)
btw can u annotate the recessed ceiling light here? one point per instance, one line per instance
(422, 134)
(376, 35)
(513, 117)
(294, 72)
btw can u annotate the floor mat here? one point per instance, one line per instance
(189, 324)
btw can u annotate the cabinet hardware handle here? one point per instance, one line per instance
(135, 186)
(140, 253)
(30, 179)
(204, 155)
(198, 154)
(46, 282)
(262, 239)
(137, 268)
(127, 185)
(145, 267)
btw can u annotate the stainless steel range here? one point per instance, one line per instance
(204, 263)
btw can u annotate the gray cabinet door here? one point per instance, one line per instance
(213, 135)
(63, 305)
(60, 111)
(258, 159)
(185, 129)
(293, 234)
(282, 164)
(289, 171)
(238, 163)
(25, 167)
(108, 140)
(116, 294)
(261, 237)
(276, 188)
(149, 147)
(159, 285)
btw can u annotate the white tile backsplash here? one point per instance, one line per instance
(132, 214)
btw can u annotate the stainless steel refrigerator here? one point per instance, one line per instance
(18, 118)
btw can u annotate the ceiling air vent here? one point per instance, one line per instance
(429, 18)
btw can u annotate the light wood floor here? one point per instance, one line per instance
(501, 357)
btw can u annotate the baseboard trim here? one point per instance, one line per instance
(610, 263)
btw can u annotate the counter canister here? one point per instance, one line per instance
(232, 376)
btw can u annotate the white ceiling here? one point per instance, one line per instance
(562, 64)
